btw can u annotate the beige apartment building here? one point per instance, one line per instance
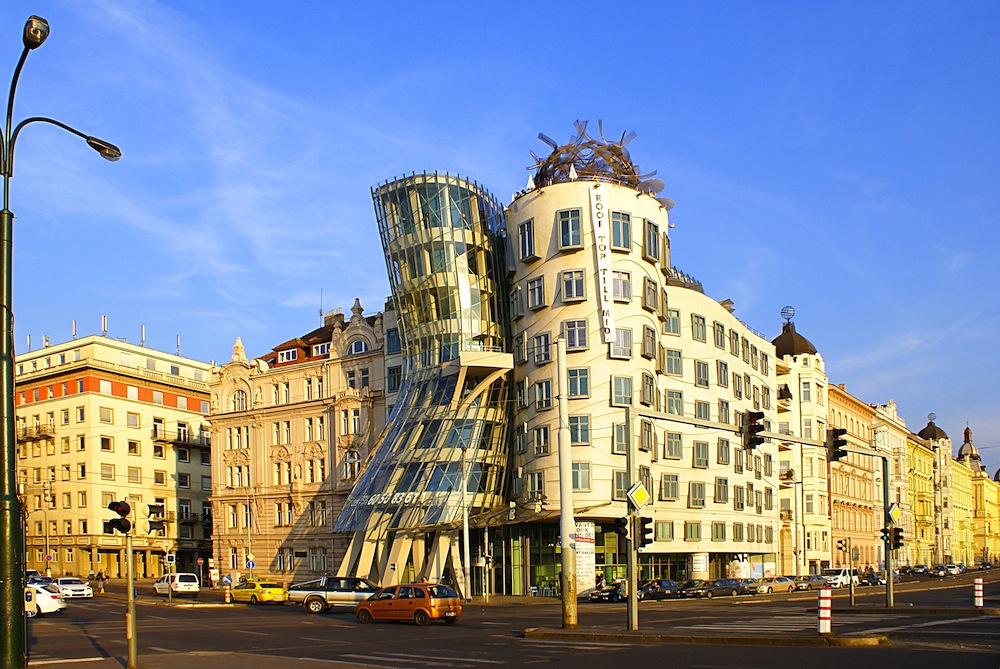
(938, 441)
(802, 468)
(102, 420)
(857, 513)
(890, 437)
(920, 544)
(292, 429)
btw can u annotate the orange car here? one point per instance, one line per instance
(419, 602)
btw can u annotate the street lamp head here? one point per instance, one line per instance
(107, 150)
(36, 29)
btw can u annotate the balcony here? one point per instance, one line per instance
(786, 514)
(188, 517)
(36, 432)
(181, 438)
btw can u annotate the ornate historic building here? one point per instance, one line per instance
(939, 442)
(102, 420)
(920, 544)
(291, 431)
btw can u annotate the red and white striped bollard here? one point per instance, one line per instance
(226, 598)
(978, 599)
(823, 609)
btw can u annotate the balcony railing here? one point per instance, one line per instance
(36, 432)
(182, 437)
(786, 514)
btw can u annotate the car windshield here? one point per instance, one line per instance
(692, 584)
(70, 581)
(269, 585)
(441, 591)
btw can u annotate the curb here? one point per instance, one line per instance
(641, 637)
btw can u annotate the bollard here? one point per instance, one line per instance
(978, 599)
(225, 594)
(823, 608)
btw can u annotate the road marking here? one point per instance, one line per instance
(933, 623)
(456, 659)
(75, 660)
(575, 644)
(162, 650)
(312, 638)
(252, 632)
(409, 658)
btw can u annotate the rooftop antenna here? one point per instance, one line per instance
(45, 341)
(321, 306)
(788, 313)
(74, 328)
(178, 344)
(142, 337)
(104, 326)
(29, 343)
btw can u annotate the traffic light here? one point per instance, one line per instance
(622, 527)
(885, 534)
(835, 443)
(643, 531)
(752, 427)
(842, 545)
(155, 514)
(122, 523)
(897, 537)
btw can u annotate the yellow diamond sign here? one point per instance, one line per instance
(638, 495)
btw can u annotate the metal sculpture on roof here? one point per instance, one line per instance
(587, 157)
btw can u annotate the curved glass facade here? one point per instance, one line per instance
(443, 240)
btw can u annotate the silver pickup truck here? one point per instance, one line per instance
(323, 593)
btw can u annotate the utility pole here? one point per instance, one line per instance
(130, 621)
(632, 601)
(567, 521)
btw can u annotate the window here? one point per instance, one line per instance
(542, 348)
(696, 495)
(722, 455)
(675, 402)
(621, 286)
(648, 396)
(579, 382)
(724, 411)
(526, 240)
(536, 292)
(107, 444)
(622, 391)
(569, 228)
(572, 285)
(701, 374)
(579, 430)
(581, 476)
(737, 386)
(134, 475)
(718, 531)
(133, 447)
(806, 392)
(698, 331)
(80, 413)
(673, 357)
(650, 294)
(184, 481)
(541, 440)
(734, 342)
(576, 335)
(692, 531)
(669, 488)
(183, 454)
(621, 485)
(107, 472)
(543, 395)
(738, 461)
(673, 446)
(719, 331)
(516, 302)
(722, 372)
(651, 247)
(321, 349)
(672, 323)
(107, 416)
(721, 490)
(288, 356)
(647, 437)
(621, 347)
(393, 379)
(393, 344)
(702, 410)
(737, 531)
(621, 231)
(534, 485)
(664, 530)
(700, 454)
(648, 342)
(619, 439)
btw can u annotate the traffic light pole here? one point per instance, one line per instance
(888, 545)
(631, 460)
(130, 622)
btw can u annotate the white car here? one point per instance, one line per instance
(177, 584)
(47, 600)
(70, 586)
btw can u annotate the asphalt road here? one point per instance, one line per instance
(92, 633)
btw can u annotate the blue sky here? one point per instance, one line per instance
(838, 157)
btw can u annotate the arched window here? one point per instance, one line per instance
(357, 347)
(240, 400)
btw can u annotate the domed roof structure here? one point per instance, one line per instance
(932, 432)
(969, 453)
(790, 342)
(996, 477)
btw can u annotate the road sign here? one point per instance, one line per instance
(226, 580)
(201, 561)
(894, 513)
(170, 558)
(250, 564)
(638, 495)
(49, 558)
(250, 557)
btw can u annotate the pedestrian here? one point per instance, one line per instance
(100, 581)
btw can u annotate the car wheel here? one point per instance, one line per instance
(790, 588)
(365, 616)
(420, 617)
(768, 591)
(155, 593)
(451, 621)
(316, 605)
(253, 600)
(32, 613)
(709, 594)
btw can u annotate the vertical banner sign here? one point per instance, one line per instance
(586, 573)
(602, 248)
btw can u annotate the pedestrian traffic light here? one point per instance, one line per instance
(752, 427)
(842, 545)
(885, 534)
(897, 537)
(156, 523)
(121, 523)
(835, 444)
(643, 531)
(622, 527)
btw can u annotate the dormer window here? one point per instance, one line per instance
(357, 347)
(288, 356)
(321, 349)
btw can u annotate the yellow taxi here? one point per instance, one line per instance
(259, 592)
(419, 602)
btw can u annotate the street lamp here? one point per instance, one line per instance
(14, 654)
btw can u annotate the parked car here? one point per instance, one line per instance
(48, 599)
(419, 602)
(660, 588)
(986, 565)
(28, 573)
(810, 582)
(872, 578)
(748, 586)
(840, 577)
(39, 580)
(686, 586)
(955, 569)
(721, 587)
(324, 593)
(259, 592)
(177, 585)
(70, 586)
(610, 593)
(939, 570)
(775, 584)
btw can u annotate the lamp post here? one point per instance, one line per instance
(13, 628)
